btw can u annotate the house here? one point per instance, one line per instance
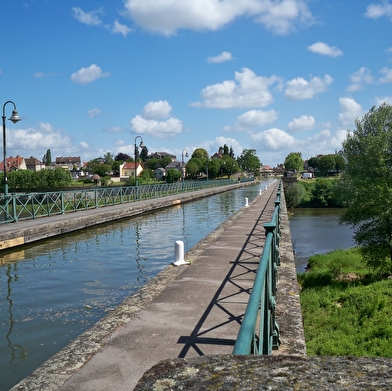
(160, 174)
(127, 169)
(161, 155)
(33, 164)
(176, 165)
(69, 162)
(14, 164)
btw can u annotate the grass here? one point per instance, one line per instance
(346, 310)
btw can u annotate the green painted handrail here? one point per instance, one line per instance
(16, 207)
(259, 332)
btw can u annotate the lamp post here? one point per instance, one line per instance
(14, 118)
(183, 167)
(141, 145)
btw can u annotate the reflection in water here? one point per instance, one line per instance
(55, 289)
(317, 231)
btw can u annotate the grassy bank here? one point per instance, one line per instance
(346, 310)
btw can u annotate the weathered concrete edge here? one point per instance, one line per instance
(28, 231)
(288, 309)
(53, 373)
(283, 373)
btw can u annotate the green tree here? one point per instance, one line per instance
(47, 159)
(340, 163)
(367, 184)
(322, 192)
(193, 167)
(200, 153)
(214, 166)
(249, 161)
(326, 163)
(313, 162)
(294, 162)
(294, 195)
(173, 175)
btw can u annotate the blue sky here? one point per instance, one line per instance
(275, 76)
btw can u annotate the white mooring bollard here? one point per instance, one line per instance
(179, 254)
(246, 201)
(260, 191)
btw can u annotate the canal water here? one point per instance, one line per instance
(317, 231)
(52, 291)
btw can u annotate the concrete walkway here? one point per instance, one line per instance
(184, 312)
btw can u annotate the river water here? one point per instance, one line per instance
(53, 290)
(317, 231)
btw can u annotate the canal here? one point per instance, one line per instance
(53, 290)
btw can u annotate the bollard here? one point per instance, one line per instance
(246, 201)
(260, 191)
(179, 254)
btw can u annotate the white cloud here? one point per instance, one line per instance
(94, 113)
(389, 50)
(121, 28)
(247, 90)
(375, 11)
(324, 49)
(90, 18)
(256, 118)
(223, 57)
(88, 75)
(31, 139)
(273, 138)
(387, 75)
(159, 109)
(84, 145)
(359, 79)
(350, 110)
(166, 17)
(114, 129)
(304, 122)
(385, 99)
(300, 88)
(161, 129)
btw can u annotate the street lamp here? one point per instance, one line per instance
(141, 145)
(14, 118)
(183, 167)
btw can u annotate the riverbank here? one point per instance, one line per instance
(347, 311)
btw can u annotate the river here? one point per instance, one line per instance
(317, 231)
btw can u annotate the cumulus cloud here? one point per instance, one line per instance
(300, 88)
(273, 138)
(41, 139)
(223, 57)
(387, 75)
(90, 18)
(159, 109)
(148, 123)
(375, 11)
(350, 110)
(359, 79)
(119, 28)
(167, 17)
(161, 129)
(324, 49)
(247, 90)
(305, 122)
(88, 75)
(256, 118)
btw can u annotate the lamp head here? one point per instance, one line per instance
(15, 117)
(141, 145)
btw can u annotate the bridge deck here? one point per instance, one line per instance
(184, 312)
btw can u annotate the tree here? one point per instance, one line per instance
(173, 175)
(200, 153)
(367, 184)
(340, 163)
(326, 163)
(294, 195)
(249, 161)
(294, 162)
(313, 162)
(192, 167)
(322, 192)
(47, 159)
(123, 157)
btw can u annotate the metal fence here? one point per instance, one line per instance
(259, 332)
(16, 207)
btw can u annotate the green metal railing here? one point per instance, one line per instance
(259, 332)
(16, 207)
